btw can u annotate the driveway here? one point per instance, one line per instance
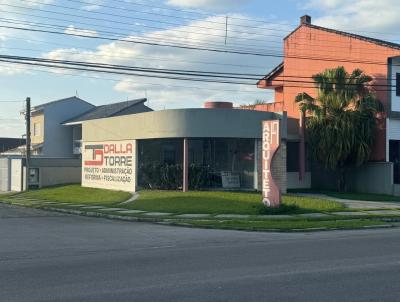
(54, 257)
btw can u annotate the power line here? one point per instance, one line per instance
(205, 49)
(127, 40)
(205, 43)
(116, 34)
(208, 14)
(125, 9)
(143, 83)
(120, 36)
(306, 38)
(126, 23)
(119, 56)
(144, 19)
(127, 70)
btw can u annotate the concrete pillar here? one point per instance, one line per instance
(255, 178)
(185, 182)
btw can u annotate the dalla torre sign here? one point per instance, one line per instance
(270, 144)
(109, 165)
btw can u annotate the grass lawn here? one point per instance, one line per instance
(364, 196)
(77, 194)
(283, 225)
(215, 202)
(350, 195)
(194, 202)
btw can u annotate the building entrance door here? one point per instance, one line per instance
(394, 157)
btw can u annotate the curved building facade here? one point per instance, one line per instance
(211, 148)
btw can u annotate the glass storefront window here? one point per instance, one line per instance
(225, 163)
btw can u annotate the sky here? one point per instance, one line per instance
(253, 26)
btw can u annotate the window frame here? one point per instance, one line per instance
(37, 129)
(397, 84)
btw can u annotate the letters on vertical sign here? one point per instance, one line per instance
(270, 144)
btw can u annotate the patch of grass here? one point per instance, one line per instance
(216, 202)
(7, 195)
(77, 194)
(349, 195)
(285, 225)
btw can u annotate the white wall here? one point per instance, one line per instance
(395, 100)
(393, 129)
(16, 175)
(5, 174)
(58, 141)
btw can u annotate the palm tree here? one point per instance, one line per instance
(342, 119)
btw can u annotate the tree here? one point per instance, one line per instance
(342, 120)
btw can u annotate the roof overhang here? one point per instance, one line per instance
(269, 81)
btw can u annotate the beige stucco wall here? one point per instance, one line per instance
(178, 123)
(50, 176)
(39, 119)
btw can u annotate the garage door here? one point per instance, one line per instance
(16, 175)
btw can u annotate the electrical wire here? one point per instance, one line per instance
(155, 73)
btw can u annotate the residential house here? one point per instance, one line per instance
(310, 49)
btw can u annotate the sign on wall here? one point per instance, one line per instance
(230, 180)
(270, 144)
(109, 165)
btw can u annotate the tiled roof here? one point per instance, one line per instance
(116, 109)
(73, 98)
(351, 35)
(338, 32)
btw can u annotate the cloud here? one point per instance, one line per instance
(377, 17)
(11, 13)
(167, 92)
(71, 30)
(207, 3)
(93, 5)
(30, 3)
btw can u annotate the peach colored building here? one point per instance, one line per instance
(310, 49)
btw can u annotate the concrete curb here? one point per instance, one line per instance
(133, 197)
(165, 221)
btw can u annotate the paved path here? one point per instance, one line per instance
(355, 204)
(46, 256)
(375, 208)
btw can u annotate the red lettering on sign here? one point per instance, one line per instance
(96, 162)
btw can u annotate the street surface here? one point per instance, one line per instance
(45, 256)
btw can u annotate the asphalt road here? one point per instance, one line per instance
(46, 256)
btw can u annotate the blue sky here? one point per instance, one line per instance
(194, 22)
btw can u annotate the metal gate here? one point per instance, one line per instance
(5, 174)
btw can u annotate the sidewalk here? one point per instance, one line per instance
(371, 209)
(355, 204)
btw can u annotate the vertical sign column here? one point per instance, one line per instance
(270, 144)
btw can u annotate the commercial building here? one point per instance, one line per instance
(199, 148)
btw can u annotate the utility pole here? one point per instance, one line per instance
(28, 140)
